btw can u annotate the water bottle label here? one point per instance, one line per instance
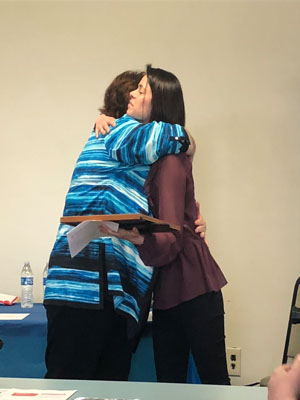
(26, 281)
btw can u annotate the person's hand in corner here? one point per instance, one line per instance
(103, 123)
(284, 383)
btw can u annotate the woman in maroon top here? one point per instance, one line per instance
(188, 312)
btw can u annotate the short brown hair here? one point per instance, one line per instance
(116, 96)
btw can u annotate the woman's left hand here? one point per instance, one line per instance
(132, 235)
(200, 222)
(103, 123)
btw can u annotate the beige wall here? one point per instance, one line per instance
(239, 64)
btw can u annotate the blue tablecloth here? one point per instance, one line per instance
(22, 355)
(24, 340)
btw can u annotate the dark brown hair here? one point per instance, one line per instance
(116, 96)
(167, 96)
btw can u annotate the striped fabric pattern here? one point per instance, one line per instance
(103, 185)
(143, 144)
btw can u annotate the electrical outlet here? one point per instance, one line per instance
(233, 355)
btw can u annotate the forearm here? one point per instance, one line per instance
(160, 249)
(167, 183)
(131, 142)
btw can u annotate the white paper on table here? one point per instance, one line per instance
(12, 316)
(8, 299)
(22, 394)
(83, 233)
(3, 392)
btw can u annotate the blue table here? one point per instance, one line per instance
(141, 390)
(22, 355)
(24, 340)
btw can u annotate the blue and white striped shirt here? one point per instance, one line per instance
(103, 185)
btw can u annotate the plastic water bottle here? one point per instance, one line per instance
(45, 275)
(27, 286)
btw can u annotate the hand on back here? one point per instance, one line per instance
(103, 123)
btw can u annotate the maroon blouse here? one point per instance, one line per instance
(188, 269)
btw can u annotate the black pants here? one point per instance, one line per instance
(197, 326)
(87, 344)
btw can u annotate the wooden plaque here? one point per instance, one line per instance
(143, 222)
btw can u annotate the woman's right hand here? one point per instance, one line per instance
(192, 147)
(132, 235)
(103, 123)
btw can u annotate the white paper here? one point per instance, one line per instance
(8, 316)
(83, 233)
(8, 299)
(22, 394)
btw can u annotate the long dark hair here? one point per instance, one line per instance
(116, 96)
(167, 96)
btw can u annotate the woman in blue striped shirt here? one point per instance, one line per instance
(96, 300)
